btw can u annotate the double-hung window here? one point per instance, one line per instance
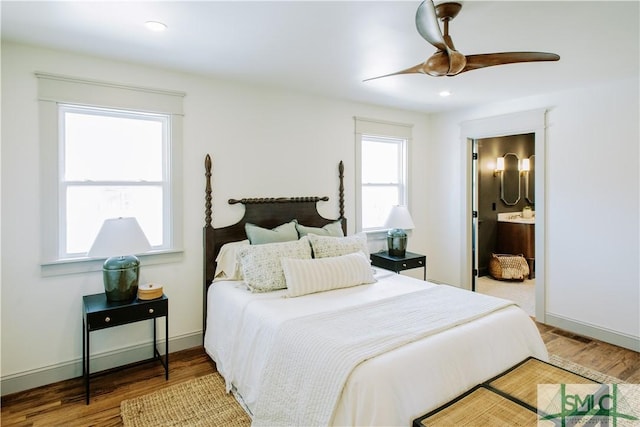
(113, 163)
(382, 156)
(107, 151)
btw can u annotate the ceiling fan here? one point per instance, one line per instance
(447, 61)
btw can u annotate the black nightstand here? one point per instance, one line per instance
(398, 264)
(98, 313)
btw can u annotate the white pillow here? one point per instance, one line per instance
(227, 267)
(307, 276)
(261, 267)
(326, 246)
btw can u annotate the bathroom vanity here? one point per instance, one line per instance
(517, 235)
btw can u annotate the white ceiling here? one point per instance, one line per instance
(328, 48)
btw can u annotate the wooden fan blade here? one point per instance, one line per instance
(428, 27)
(490, 59)
(417, 69)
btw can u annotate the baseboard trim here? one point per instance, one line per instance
(72, 369)
(601, 334)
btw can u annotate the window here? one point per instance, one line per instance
(113, 163)
(107, 150)
(382, 153)
(383, 179)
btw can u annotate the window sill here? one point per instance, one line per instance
(87, 265)
(376, 234)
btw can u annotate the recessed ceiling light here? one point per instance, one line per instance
(155, 26)
(445, 93)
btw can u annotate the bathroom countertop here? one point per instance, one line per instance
(516, 217)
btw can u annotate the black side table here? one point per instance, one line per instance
(398, 264)
(98, 313)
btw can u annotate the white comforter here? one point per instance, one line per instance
(390, 389)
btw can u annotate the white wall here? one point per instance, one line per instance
(267, 142)
(264, 143)
(592, 206)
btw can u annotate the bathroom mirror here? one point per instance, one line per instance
(530, 181)
(510, 180)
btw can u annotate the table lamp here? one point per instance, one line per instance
(398, 221)
(119, 239)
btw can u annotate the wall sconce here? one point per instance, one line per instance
(525, 166)
(499, 166)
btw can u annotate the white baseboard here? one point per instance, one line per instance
(611, 337)
(72, 369)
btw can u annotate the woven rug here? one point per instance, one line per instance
(511, 398)
(204, 402)
(584, 371)
(199, 402)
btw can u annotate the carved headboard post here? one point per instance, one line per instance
(208, 239)
(207, 191)
(341, 196)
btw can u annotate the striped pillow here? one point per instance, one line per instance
(307, 276)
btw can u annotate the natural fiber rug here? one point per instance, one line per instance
(199, 402)
(511, 398)
(204, 402)
(481, 407)
(584, 371)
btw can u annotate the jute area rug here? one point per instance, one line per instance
(204, 402)
(199, 402)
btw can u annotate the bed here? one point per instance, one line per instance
(322, 338)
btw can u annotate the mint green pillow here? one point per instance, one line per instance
(282, 233)
(333, 229)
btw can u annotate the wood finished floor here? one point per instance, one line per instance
(63, 404)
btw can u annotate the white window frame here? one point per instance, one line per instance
(54, 90)
(164, 183)
(391, 132)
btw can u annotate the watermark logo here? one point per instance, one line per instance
(568, 405)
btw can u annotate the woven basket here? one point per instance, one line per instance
(508, 267)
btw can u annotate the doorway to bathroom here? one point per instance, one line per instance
(504, 218)
(517, 123)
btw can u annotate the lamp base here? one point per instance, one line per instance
(397, 242)
(120, 275)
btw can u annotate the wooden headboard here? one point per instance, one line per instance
(264, 212)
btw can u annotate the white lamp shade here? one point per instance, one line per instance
(500, 163)
(399, 217)
(119, 237)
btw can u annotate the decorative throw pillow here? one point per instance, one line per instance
(325, 246)
(282, 233)
(261, 267)
(227, 267)
(307, 276)
(332, 229)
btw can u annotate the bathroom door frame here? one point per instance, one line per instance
(533, 121)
